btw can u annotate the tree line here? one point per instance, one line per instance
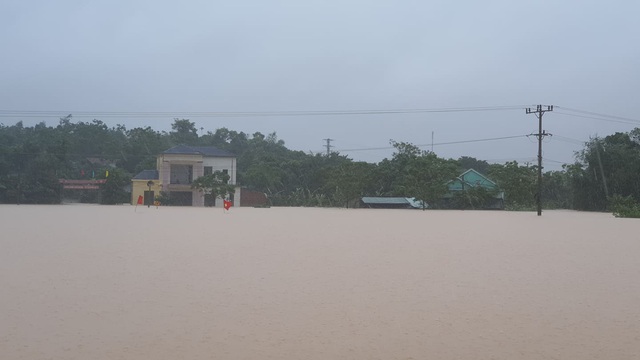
(33, 159)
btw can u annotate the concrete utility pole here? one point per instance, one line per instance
(540, 135)
(432, 141)
(329, 146)
(604, 179)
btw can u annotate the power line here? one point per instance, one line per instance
(523, 159)
(599, 115)
(555, 161)
(289, 113)
(434, 144)
(632, 122)
(569, 140)
(190, 114)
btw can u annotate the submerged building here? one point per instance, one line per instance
(177, 167)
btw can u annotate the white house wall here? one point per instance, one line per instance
(236, 197)
(198, 162)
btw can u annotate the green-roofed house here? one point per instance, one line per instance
(472, 181)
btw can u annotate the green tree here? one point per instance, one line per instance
(184, 132)
(606, 168)
(143, 145)
(113, 190)
(29, 165)
(426, 177)
(349, 181)
(467, 162)
(626, 207)
(388, 174)
(214, 185)
(223, 138)
(518, 183)
(557, 192)
(260, 164)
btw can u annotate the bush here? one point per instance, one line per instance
(625, 207)
(164, 198)
(473, 198)
(113, 191)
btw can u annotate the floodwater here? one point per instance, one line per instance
(116, 282)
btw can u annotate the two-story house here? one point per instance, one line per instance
(177, 168)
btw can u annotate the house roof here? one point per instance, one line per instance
(384, 200)
(199, 150)
(147, 175)
(392, 201)
(478, 174)
(471, 178)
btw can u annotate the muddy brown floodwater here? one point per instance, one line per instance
(100, 282)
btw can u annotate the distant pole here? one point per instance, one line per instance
(540, 135)
(432, 141)
(329, 146)
(604, 179)
(149, 184)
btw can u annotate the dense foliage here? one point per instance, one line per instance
(625, 207)
(33, 159)
(213, 186)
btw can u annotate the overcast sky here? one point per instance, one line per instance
(307, 55)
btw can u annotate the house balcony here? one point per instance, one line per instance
(180, 175)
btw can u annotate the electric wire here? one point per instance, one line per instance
(436, 144)
(569, 140)
(626, 121)
(216, 114)
(599, 115)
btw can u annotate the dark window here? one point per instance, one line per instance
(181, 174)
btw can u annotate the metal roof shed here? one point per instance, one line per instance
(391, 203)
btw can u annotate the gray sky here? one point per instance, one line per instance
(307, 55)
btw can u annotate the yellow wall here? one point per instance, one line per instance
(138, 187)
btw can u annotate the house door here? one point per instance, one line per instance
(181, 198)
(149, 197)
(209, 200)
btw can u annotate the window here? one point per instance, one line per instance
(208, 170)
(181, 174)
